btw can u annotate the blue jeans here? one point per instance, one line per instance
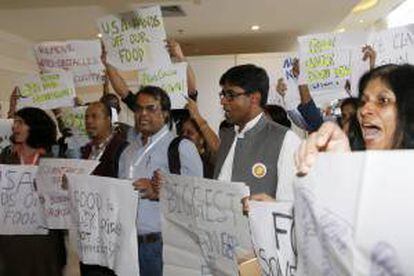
(150, 258)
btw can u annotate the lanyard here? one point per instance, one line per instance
(34, 161)
(147, 149)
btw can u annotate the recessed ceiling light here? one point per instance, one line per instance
(364, 5)
(255, 27)
(361, 21)
(341, 30)
(99, 35)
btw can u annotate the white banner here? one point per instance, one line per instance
(81, 57)
(46, 91)
(203, 227)
(292, 97)
(328, 61)
(394, 45)
(51, 188)
(273, 236)
(135, 40)
(350, 215)
(173, 79)
(21, 213)
(104, 211)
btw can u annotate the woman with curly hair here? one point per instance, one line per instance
(34, 134)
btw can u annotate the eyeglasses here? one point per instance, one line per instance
(152, 108)
(230, 95)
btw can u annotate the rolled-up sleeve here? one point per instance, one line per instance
(312, 115)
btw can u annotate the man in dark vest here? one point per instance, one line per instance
(253, 149)
(106, 146)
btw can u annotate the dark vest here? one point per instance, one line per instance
(109, 160)
(259, 149)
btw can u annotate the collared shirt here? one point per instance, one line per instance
(227, 168)
(286, 169)
(98, 150)
(148, 213)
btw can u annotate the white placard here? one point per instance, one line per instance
(273, 236)
(104, 211)
(81, 57)
(173, 79)
(21, 213)
(51, 189)
(356, 224)
(47, 91)
(135, 40)
(203, 227)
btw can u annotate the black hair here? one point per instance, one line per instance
(350, 101)
(355, 137)
(249, 77)
(112, 101)
(278, 114)
(106, 108)
(160, 95)
(42, 129)
(399, 79)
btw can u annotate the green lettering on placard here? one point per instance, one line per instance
(325, 60)
(318, 75)
(118, 41)
(321, 45)
(30, 89)
(75, 120)
(51, 96)
(159, 75)
(342, 71)
(137, 38)
(131, 55)
(173, 87)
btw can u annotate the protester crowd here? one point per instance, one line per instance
(255, 145)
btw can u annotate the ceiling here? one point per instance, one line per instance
(209, 27)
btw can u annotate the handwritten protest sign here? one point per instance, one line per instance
(328, 61)
(20, 211)
(204, 230)
(394, 45)
(356, 225)
(46, 91)
(324, 65)
(5, 132)
(51, 189)
(292, 97)
(173, 79)
(104, 211)
(73, 118)
(273, 236)
(81, 57)
(135, 40)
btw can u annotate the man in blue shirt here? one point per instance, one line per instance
(147, 154)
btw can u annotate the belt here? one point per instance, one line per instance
(149, 238)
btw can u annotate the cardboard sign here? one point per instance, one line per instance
(135, 40)
(203, 227)
(104, 211)
(46, 91)
(81, 57)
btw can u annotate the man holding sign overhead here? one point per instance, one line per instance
(121, 88)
